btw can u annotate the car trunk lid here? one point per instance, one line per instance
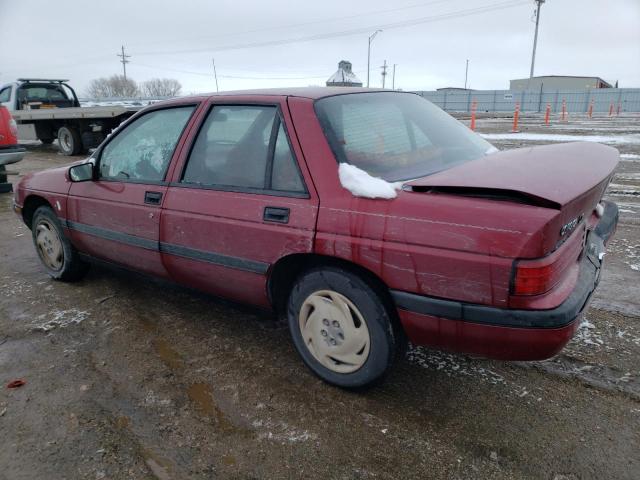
(570, 178)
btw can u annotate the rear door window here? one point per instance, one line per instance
(244, 148)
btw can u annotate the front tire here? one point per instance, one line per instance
(342, 328)
(57, 255)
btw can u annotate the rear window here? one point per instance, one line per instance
(396, 136)
(43, 93)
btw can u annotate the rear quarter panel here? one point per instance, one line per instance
(431, 244)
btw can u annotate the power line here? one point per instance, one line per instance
(236, 77)
(324, 20)
(343, 33)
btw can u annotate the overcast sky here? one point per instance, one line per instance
(283, 43)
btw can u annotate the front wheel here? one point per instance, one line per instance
(56, 253)
(342, 328)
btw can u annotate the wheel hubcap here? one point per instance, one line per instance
(334, 331)
(49, 245)
(65, 140)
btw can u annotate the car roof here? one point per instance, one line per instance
(312, 93)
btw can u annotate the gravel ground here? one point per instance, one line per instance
(132, 378)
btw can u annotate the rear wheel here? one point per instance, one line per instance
(56, 253)
(69, 141)
(342, 328)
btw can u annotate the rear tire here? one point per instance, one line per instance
(69, 141)
(342, 328)
(57, 255)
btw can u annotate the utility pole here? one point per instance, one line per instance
(371, 37)
(393, 77)
(466, 74)
(535, 37)
(384, 72)
(215, 74)
(124, 61)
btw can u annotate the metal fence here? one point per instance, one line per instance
(536, 101)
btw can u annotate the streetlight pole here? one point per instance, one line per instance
(393, 77)
(371, 37)
(466, 73)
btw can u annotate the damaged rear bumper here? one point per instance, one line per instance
(507, 334)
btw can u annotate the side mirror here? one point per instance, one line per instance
(82, 173)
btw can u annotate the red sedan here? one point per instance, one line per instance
(365, 217)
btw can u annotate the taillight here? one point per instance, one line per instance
(13, 128)
(538, 276)
(536, 280)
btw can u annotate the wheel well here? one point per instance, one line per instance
(287, 270)
(31, 204)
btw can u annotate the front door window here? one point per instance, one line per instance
(143, 150)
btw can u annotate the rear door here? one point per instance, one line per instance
(117, 216)
(241, 198)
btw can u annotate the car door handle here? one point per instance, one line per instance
(276, 214)
(152, 198)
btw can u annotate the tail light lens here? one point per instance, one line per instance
(13, 128)
(536, 280)
(538, 276)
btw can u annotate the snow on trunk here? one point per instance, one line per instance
(361, 184)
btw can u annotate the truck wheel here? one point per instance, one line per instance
(69, 141)
(56, 253)
(342, 329)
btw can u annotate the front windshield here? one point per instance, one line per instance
(396, 136)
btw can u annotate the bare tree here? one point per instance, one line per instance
(161, 87)
(114, 86)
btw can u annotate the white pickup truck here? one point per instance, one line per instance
(46, 109)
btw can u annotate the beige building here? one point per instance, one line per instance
(558, 82)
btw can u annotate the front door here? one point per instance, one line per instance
(239, 203)
(117, 216)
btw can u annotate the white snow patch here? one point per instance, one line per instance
(557, 137)
(59, 318)
(629, 157)
(284, 433)
(361, 184)
(628, 176)
(587, 334)
(452, 364)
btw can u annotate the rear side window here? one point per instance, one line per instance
(232, 147)
(143, 150)
(243, 147)
(286, 176)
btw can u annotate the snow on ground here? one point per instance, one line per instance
(629, 157)
(621, 190)
(558, 137)
(361, 184)
(59, 318)
(453, 364)
(628, 250)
